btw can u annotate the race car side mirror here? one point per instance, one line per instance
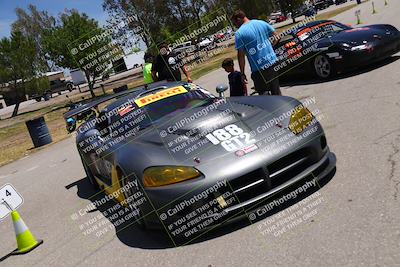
(71, 125)
(221, 88)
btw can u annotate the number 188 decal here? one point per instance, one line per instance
(231, 137)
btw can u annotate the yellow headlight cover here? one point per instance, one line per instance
(165, 175)
(300, 119)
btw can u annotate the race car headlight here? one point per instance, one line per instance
(299, 120)
(165, 175)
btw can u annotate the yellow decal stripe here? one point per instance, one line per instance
(148, 99)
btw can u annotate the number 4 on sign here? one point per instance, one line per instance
(10, 200)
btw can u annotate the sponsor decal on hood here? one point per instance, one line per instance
(148, 99)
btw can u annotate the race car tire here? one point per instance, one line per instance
(89, 175)
(323, 67)
(47, 95)
(130, 192)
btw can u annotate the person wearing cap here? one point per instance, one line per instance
(167, 66)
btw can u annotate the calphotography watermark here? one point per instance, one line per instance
(201, 30)
(116, 209)
(287, 129)
(294, 216)
(186, 219)
(98, 51)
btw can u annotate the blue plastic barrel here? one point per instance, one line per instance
(39, 132)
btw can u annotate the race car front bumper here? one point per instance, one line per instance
(182, 231)
(316, 172)
(182, 225)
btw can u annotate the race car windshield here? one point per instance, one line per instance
(334, 28)
(177, 104)
(322, 30)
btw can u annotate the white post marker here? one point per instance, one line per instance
(10, 200)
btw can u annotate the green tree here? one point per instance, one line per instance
(75, 42)
(19, 64)
(38, 85)
(31, 23)
(290, 6)
(153, 21)
(142, 20)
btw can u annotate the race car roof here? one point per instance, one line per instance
(309, 25)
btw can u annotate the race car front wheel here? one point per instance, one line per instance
(128, 194)
(323, 67)
(89, 174)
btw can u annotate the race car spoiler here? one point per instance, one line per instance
(138, 90)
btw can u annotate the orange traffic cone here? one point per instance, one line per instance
(25, 240)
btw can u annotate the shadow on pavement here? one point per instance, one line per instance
(131, 235)
(129, 232)
(231, 227)
(294, 80)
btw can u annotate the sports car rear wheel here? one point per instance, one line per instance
(323, 67)
(131, 191)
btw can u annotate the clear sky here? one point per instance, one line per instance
(93, 8)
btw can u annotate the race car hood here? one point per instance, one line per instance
(186, 135)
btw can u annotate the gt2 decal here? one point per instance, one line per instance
(231, 138)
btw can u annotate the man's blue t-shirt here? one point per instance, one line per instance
(252, 37)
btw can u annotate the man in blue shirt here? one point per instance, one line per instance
(255, 38)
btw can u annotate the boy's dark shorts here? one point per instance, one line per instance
(266, 80)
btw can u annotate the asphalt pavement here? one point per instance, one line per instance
(355, 216)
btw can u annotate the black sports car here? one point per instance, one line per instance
(338, 2)
(327, 47)
(322, 4)
(182, 159)
(304, 10)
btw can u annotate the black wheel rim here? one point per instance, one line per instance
(322, 66)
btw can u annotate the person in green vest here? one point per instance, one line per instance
(148, 63)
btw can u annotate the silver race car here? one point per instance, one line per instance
(182, 159)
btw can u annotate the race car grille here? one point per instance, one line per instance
(250, 185)
(262, 180)
(289, 166)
